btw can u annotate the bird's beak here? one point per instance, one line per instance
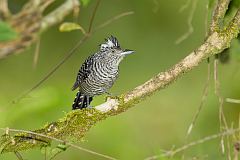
(127, 51)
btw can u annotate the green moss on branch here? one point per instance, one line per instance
(74, 126)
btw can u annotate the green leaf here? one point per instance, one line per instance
(6, 32)
(85, 2)
(70, 26)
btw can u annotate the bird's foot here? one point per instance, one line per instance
(111, 96)
(89, 107)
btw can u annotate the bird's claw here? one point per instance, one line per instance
(89, 107)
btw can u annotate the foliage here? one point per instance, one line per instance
(70, 26)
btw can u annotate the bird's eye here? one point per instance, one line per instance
(113, 51)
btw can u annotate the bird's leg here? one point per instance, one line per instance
(82, 103)
(88, 103)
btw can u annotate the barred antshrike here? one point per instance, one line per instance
(98, 73)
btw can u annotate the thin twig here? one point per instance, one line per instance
(206, 20)
(111, 20)
(194, 143)
(216, 81)
(204, 96)
(228, 147)
(216, 90)
(189, 23)
(36, 53)
(61, 141)
(222, 119)
(231, 100)
(93, 16)
(19, 156)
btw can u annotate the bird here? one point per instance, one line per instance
(98, 72)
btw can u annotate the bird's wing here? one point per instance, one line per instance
(84, 72)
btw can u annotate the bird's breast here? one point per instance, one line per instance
(100, 80)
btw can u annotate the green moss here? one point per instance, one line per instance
(74, 125)
(123, 106)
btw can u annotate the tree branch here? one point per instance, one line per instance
(218, 15)
(77, 123)
(194, 143)
(58, 14)
(30, 21)
(4, 11)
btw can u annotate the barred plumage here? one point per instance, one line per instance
(99, 72)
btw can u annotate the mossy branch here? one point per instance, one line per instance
(77, 123)
(218, 15)
(73, 126)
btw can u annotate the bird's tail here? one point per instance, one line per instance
(81, 101)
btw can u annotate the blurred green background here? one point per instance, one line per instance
(158, 123)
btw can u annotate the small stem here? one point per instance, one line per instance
(19, 156)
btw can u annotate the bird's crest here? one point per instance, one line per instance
(110, 43)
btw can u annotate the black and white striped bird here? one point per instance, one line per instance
(99, 72)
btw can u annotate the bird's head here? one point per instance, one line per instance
(112, 48)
